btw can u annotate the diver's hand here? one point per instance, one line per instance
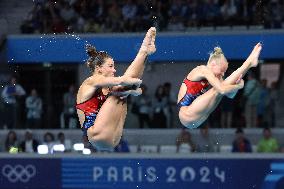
(127, 81)
(125, 94)
(241, 84)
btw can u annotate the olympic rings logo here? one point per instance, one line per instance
(18, 173)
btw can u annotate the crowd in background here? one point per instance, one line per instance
(25, 109)
(30, 145)
(99, 16)
(240, 144)
(184, 143)
(155, 111)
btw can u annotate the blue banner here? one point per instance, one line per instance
(141, 173)
(123, 48)
(173, 173)
(30, 173)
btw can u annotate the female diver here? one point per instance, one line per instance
(196, 100)
(101, 98)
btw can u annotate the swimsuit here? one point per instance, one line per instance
(91, 108)
(194, 89)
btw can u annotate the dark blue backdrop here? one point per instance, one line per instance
(128, 173)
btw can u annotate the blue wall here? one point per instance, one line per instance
(170, 47)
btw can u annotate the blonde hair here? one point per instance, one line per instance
(216, 54)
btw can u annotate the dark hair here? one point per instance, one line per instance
(60, 135)
(167, 84)
(159, 95)
(96, 58)
(266, 129)
(239, 130)
(9, 143)
(48, 134)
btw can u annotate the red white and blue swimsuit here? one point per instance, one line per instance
(91, 108)
(194, 89)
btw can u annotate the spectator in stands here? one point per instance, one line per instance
(214, 118)
(142, 107)
(33, 23)
(67, 13)
(97, 9)
(69, 103)
(212, 13)
(175, 24)
(159, 106)
(92, 26)
(122, 146)
(29, 145)
(175, 15)
(273, 103)
(275, 12)
(227, 108)
(229, 12)
(193, 14)
(159, 14)
(48, 140)
(143, 15)
(57, 24)
(66, 142)
(12, 95)
(205, 142)
(79, 24)
(175, 10)
(263, 104)
(171, 103)
(241, 143)
(267, 144)
(251, 95)
(114, 21)
(238, 117)
(129, 10)
(249, 8)
(87, 144)
(34, 110)
(11, 142)
(184, 142)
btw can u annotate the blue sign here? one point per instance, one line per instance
(30, 173)
(123, 48)
(141, 173)
(275, 178)
(172, 173)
